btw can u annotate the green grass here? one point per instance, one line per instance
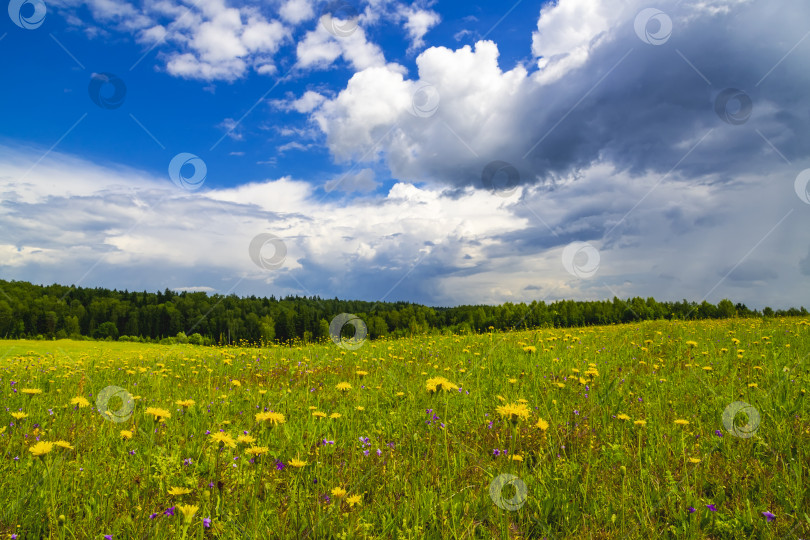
(590, 474)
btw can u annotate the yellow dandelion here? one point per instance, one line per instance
(360, 408)
(542, 424)
(245, 439)
(158, 413)
(560, 385)
(682, 422)
(694, 460)
(622, 416)
(514, 411)
(692, 343)
(297, 463)
(335, 416)
(257, 450)
(343, 386)
(236, 383)
(400, 394)
(530, 349)
(641, 423)
(19, 415)
(31, 391)
(439, 383)
(361, 373)
(272, 417)
(64, 444)
(319, 414)
(517, 457)
(80, 401)
(179, 491)
(41, 448)
(188, 511)
(339, 492)
(186, 403)
(126, 434)
(354, 499)
(224, 439)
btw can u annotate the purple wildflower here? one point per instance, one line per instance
(711, 507)
(691, 509)
(207, 522)
(770, 517)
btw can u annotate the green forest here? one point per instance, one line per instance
(58, 312)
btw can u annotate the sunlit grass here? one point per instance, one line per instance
(616, 432)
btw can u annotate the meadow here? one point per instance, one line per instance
(661, 429)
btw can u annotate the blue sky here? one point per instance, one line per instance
(437, 152)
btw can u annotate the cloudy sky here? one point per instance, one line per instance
(430, 151)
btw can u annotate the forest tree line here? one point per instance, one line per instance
(57, 311)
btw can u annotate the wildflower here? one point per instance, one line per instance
(517, 457)
(19, 415)
(179, 491)
(126, 434)
(31, 391)
(354, 499)
(362, 373)
(542, 424)
(158, 414)
(207, 523)
(335, 416)
(272, 417)
(692, 343)
(711, 507)
(224, 439)
(496, 452)
(718, 432)
(343, 386)
(64, 444)
(641, 423)
(185, 403)
(360, 408)
(246, 439)
(339, 492)
(297, 463)
(770, 517)
(319, 414)
(439, 383)
(257, 450)
(80, 402)
(169, 511)
(682, 422)
(188, 511)
(694, 460)
(622, 416)
(41, 448)
(514, 411)
(691, 509)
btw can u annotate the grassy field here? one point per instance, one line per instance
(607, 432)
